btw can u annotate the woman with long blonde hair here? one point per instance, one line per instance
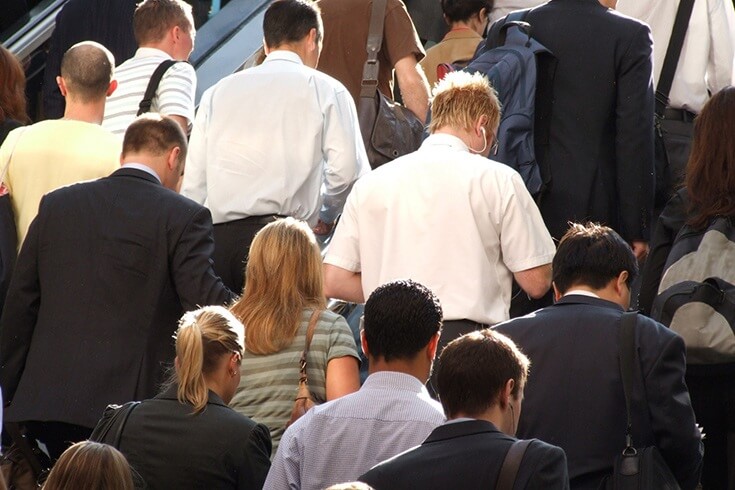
(283, 292)
(187, 436)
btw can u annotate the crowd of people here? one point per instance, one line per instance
(170, 263)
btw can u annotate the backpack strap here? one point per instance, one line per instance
(150, 91)
(496, 34)
(511, 464)
(673, 52)
(369, 82)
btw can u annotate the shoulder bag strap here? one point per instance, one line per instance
(127, 409)
(511, 464)
(666, 78)
(150, 91)
(309, 335)
(374, 42)
(627, 349)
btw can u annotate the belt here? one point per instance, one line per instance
(679, 115)
(254, 220)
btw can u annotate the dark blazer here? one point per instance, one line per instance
(107, 269)
(574, 396)
(468, 454)
(600, 150)
(218, 448)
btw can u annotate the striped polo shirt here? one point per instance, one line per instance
(174, 97)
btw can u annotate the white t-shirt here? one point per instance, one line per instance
(174, 97)
(458, 223)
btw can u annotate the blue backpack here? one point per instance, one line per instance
(516, 66)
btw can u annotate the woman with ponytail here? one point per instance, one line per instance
(187, 436)
(283, 291)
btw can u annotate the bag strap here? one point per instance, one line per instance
(369, 82)
(496, 34)
(627, 348)
(309, 335)
(511, 464)
(127, 409)
(671, 60)
(150, 91)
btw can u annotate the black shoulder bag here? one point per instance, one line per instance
(642, 468)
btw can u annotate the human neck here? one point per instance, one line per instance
(413, 367)
(91, 112)
(494, 415)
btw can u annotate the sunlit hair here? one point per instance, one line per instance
(12, 88)
(87, 69)
(155, 134)
(92, 466)
(154, 18)
(204, 337)
(710, 172)
(283, 276)
(353, 485)
(474, 369)
(460, 99)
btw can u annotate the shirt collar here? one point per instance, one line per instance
(446, 140)
(462, 34)
(149, 52)
(581, 292)
(284, 55)
(394, 380)
(144, 168)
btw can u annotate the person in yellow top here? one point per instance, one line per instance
(56, 153)
(467, 20)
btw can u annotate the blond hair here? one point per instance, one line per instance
(460, 99)
(203, 337)
(92, 466)
(283, 276)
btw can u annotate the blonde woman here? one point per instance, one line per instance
(187, 437)
(283, 289)
(92, 466)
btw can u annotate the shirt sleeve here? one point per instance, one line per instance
(194, 185)
(341, 341)
(401, 38)
(285, 472)
(175, 95)
(524, 239)
(344, 249)
(344, 154)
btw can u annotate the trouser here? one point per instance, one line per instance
(673, 145)
(231, 247)
(452, 329)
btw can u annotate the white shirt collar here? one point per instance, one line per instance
(581, 292)
(144, 168)
(149, 52)
(444, 139)
(285, 55)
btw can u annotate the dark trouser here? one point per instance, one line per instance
(672, 154)
(452, 329)
(713, 400)
(231, 246)
(57, 436)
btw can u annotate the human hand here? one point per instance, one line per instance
(640, 249)
(323, 228)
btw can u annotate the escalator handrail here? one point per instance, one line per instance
(36, 30)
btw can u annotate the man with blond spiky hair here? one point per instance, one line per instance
(446, 216)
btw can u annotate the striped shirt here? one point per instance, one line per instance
(340, 440)
(174, 97)
(269, 382)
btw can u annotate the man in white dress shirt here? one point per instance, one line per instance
(280, 139)
(705, 64)
(447, 217)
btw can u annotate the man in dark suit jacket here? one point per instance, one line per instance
(107, 269)
(575, 398)
(599, 154)
(480, 379)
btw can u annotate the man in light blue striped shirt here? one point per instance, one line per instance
(392, 412)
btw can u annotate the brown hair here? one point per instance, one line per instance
(283, 276)
(203, 338)
(90, 465)
(710, 172)
(12, 88)
(474, 369)
(155, 134)
(154, 18)
(87, 69)
(460, 98)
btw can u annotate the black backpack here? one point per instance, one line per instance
(696, 296)
(521, 70)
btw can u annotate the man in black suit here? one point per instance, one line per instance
(599, 151)
(480, 378)
(106, 271)
(575, 398)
